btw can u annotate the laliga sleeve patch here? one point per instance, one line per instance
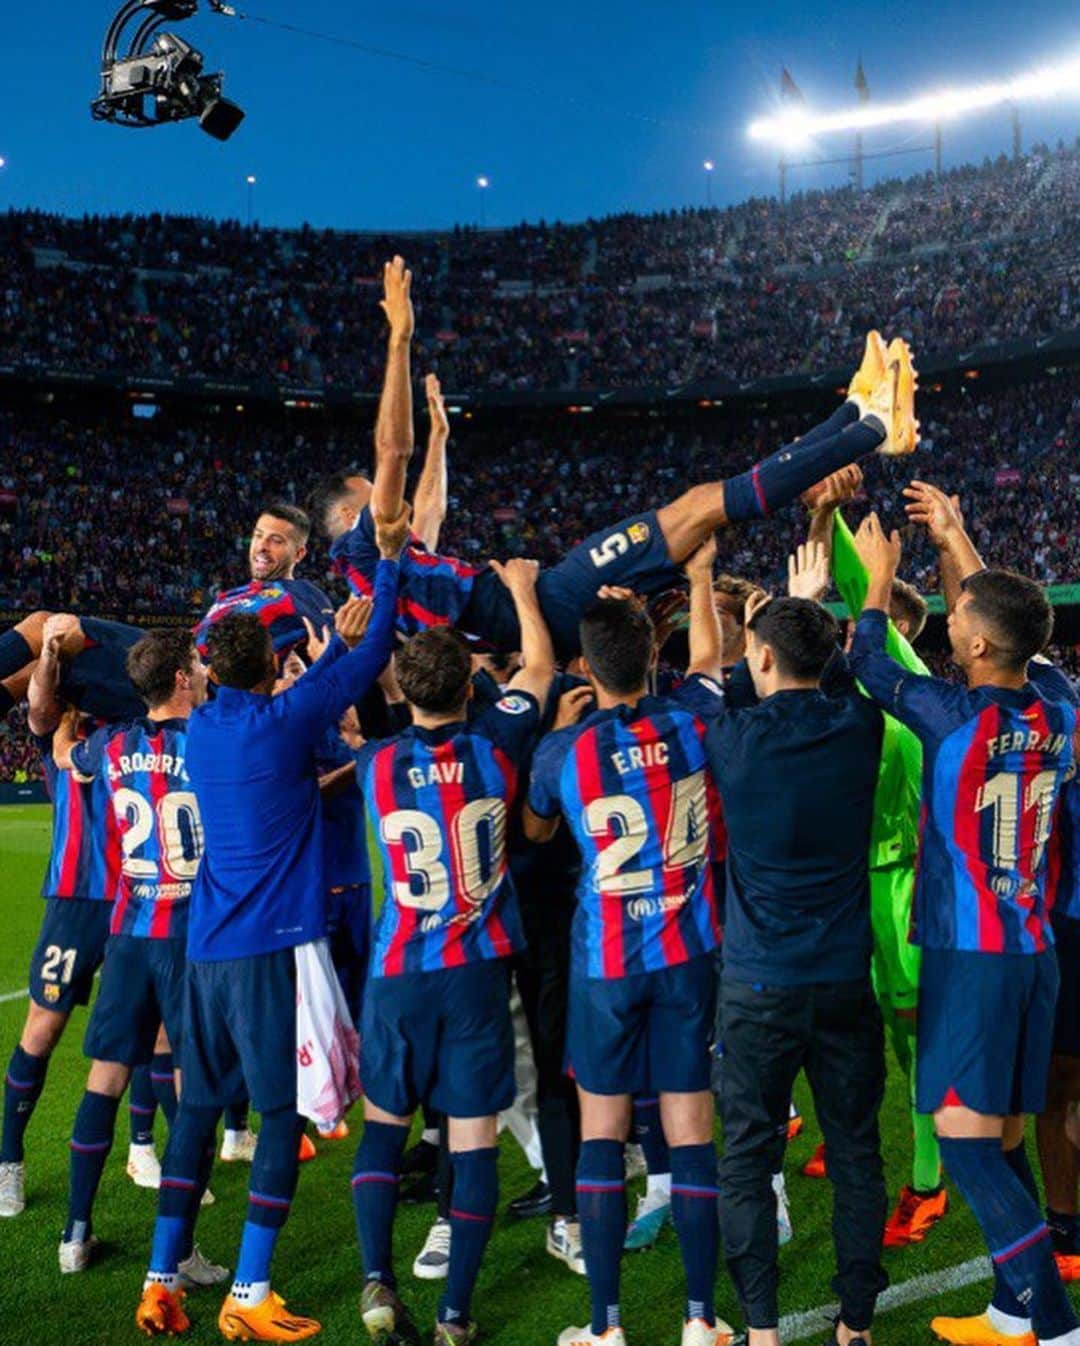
(514, 705)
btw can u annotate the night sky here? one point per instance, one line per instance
(576, 109)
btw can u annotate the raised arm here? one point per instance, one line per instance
(705, 636)
(537, 653)
(394, 425)
(940, 515)
(429, 502)
(43, 693)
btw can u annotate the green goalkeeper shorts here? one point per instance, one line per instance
(896, 961)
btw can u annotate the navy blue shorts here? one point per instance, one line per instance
(142, 986)
(1067, 1013)
(632, 554)
(96, 680)
(240, 1032)
(442, 1038)
(69, 950)
(985, 1030)
(645, 1034)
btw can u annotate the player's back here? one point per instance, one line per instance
(440, 798)
(157, 817)
(84, 850)
(638, 798)
(280, 605)
(434, 589)
(993, 776)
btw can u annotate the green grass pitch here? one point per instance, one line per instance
(524, 1296)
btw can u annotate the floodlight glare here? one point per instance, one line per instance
(799, 124)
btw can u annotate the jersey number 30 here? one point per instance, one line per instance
(417, 839)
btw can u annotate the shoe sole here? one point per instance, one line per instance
(9, 1213)
(566, 1260)
(902, 437)
(385, 1331)
(241, 1332)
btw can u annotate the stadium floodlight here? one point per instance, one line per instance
(797, 124)
(160, 77)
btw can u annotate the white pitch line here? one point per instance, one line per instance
(13, 995)
(797, 1326)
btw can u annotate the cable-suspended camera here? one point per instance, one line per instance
(159, 78)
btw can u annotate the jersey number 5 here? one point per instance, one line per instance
(612, 547)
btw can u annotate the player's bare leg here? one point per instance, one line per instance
(878, 415)
(1060, 1163)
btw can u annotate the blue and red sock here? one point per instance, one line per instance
(91, 1141)
(374, 1191)
(601, 1198)
(472, 1214)
(694, 1200)
(23, 1083)
(142, 1106)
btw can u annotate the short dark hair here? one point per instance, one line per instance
(907, 604)
(329, 493)
(155, 659)
(292, 514)
(802, 635)
(733, 593)
(434, 669)
(240, 651)
(617, 642)
(1017, 611)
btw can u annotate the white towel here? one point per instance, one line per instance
(327, 1044)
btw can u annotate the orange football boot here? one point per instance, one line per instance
(269, 1320)
(977, 1331)
(914, 1216)
(815, 1165)
(307, 1148)
(160, 1312)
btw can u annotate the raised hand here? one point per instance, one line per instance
(572, 705)
(57, 629)
(351, 620)
(700, 563)
(933, 510)
(835, 490)
(396, 302)
(317, 641)
(808, 571)
(518, 573)
(754, 604)
(878, 552)
(440, 422)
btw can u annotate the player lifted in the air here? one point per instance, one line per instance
(643, 552)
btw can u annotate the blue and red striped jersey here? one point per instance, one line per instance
(434, 589)
(157, 818)
(633, 786)
(995, 761)
(281, 606)
(84, 857)
(441, 798)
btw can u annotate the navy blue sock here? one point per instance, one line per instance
(142, 1106)
(1018, 1240)
(91, 1141)
(1004, 1298)
(273, 1181)
(847, 413)
(781, 478)
(694, 1213)
(15, 653)
(23, 1084)
(236, 1116)
(601, 1198)
(163, 1082)
(472, 1213)
(191, 1133)
(649, 1134)
(374, 1192)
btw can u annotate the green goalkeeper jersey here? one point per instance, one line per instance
(894, 834)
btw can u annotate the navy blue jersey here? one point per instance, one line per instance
(84, 856)
(434, 589)
(280, 605)
(252, 760)
(157, 817)
(1064, 857)
(442, 799)
(995, 761)
(633, 787)
(345, 854)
